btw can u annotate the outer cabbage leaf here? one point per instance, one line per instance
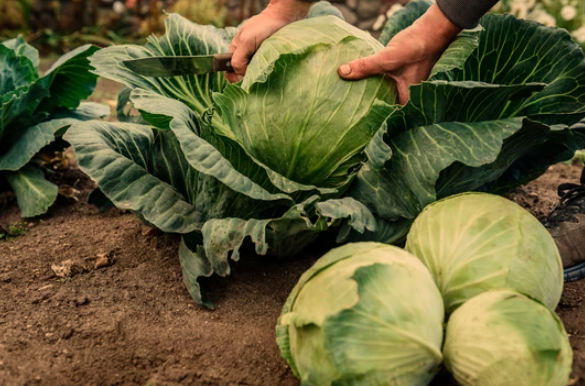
(183, 38)
(516, 51)
(283, 236)
(121, 157)
(69, 80)
(468, 133)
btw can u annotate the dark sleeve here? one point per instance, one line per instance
(465, 13)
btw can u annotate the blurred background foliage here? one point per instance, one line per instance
(57, 26)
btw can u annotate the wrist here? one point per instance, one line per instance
(437, 27)
(289, 10)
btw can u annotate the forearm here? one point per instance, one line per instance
(291, 10)
(465, 13)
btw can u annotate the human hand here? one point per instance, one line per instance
(410, 56)
(276, 15)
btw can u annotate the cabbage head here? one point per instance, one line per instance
(364, 314)
(295, 115)
(474, 242)
(505, 338)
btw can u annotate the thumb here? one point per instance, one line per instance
(364, 67)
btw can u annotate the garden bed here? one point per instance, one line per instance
(133, 322)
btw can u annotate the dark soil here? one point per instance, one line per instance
(132, 321)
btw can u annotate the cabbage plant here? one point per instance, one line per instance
(219, 163)
(474, 242)
(505, 338)
(496, 119)
(364, 314)
(293, 150)
(35, 111)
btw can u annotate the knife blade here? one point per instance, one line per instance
(167, 66)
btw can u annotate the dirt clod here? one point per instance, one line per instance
(68, 268)
(103, 260)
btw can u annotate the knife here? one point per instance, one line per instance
(167, 66)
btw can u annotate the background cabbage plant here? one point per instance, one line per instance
(35, 110)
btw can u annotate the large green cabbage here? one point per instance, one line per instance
(364, 314)
(295, 115)
(474, 242)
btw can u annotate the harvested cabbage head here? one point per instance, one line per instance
(504, 338)
(295, 115)
(365, 313)
(474, 242)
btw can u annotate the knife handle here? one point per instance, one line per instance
(223, 62)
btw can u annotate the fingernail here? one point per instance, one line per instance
(345, 69)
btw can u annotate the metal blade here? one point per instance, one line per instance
(171, 66)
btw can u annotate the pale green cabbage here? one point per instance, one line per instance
(504, 338)
(364, 314)
(474, 242)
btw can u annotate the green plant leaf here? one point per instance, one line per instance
(468, 146)
(33, 138)
(22, 48)
(283, 236)
(16, 70)
(219, 158)
(513, 51)
(183, 38)
(16, 104)
(69, 80)
(119, 156)
(33, 192)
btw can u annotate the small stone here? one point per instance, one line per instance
(368, 8)
(347, 13)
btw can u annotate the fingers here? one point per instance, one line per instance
(403, 92)
(376, 64)
(243, 51)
